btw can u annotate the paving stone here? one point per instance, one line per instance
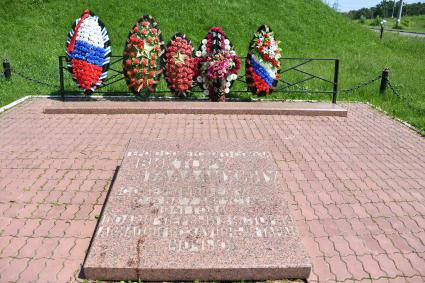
(33, 270)
(12, 249)
(371, 266)
(29, 250)
(52, 268)
(355, 267)
(15, 268)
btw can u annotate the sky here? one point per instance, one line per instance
(347, 5)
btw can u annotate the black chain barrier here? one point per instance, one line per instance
(392, 88)
(408, 102)
(32, 79)
(364, 84)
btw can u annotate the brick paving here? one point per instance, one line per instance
(356, 186)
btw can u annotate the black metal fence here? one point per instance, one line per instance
(293, 65)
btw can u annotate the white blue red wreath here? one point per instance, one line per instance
(88, 50)
(262, 63)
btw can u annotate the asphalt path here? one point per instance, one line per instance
(404, 33)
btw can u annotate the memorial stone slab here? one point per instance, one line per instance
(197, 210)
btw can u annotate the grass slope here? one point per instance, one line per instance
(33, 33)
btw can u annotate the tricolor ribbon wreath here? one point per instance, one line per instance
(262, 63)
(88, 52)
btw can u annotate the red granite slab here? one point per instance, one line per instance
(191, 107)
(186, 210)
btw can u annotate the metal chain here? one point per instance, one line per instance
(393, 88)
(407, 102)
(361, 85)
(33, 80)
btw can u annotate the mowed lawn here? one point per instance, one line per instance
(33, 34)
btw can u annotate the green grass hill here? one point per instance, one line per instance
(33, 34)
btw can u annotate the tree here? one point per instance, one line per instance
(400, 10)
(384, 8)
(392, 14)
(335, 5)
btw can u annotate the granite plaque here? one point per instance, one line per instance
(196, 210)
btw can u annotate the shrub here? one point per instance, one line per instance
(405, 23)
(376, 21)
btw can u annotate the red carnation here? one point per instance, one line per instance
(128, 62)
(144, 32)
(153, 30)
(267, 43)
(132, 54)
(153, 56)
(153, 64)
(152, 73)
(145, 24)
(143, 71)
(150, 40)
(144, 62)
(136, 61)
(141, 44)
(129, 73)
(136, 29)
(157, 48)
(130, 46)
(135, 70)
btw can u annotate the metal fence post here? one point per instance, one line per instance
(61, 83)
(384, 80)
(6, 69)
(382, 32)
(336, 79)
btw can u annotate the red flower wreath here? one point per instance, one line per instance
(178, 65)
